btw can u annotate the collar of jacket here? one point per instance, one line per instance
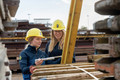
(32, 48)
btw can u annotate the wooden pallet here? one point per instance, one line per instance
(77, 71)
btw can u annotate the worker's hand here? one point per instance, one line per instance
(39, 62)
(32, 68)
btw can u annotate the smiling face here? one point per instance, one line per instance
(58, 34)
(36, 42)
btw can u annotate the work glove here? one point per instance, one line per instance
(32, 68)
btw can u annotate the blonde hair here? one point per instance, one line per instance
(29, 41)
(54, 41)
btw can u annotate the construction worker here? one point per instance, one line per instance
(32, 52)
(55, 46)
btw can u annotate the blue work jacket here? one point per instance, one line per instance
(55, 52)
(27, 59)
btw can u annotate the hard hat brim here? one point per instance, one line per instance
(32, 36)
(58, 28)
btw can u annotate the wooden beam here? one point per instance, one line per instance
(92, 58)
(108, 7)
(12, 6)
(8, 14)
(10, 26)
(114, 24)
(70, 76)
(1, 25)
(2, 11)
(63, 65)
(107, 25)
(103, 46)
(117, 71)
(61, 68)
(71, 33)
(65, 71)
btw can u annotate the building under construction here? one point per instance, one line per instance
(97, 52)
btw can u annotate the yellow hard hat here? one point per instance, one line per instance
(34, 32)
(58, 25)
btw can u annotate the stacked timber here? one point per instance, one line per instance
(110, 25)
(74, 71)
(105, 46)
(84, 45)
(5, 72)
(8, 9)
(82, 49)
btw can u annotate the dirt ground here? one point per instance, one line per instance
(17, 76)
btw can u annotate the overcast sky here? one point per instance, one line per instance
(57, 9)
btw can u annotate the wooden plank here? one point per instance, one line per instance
(103, 46)
(15, 66)
(81, 58)
(12, 6)
(65, 71)
(65, 51)
(117, 71)
(2, 10)
(102, 26)
(102, 40)
(7, 34)
(92, 58)
(84, 52)
(76, 76)
(2, 57)
(116, 48)
(13, 54)
(74, 15)
(107, 64)
(114, 23)
(107, 26)
(63, 65)
(8, 13)
(1, 25)
(62, 68)
(10, 26)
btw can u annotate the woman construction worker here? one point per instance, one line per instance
(32, 52)
(55, 46)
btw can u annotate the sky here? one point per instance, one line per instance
(57, 9)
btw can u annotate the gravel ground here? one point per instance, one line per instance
(17, 76)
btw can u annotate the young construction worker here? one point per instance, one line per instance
(32, 52)
(55, 46)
